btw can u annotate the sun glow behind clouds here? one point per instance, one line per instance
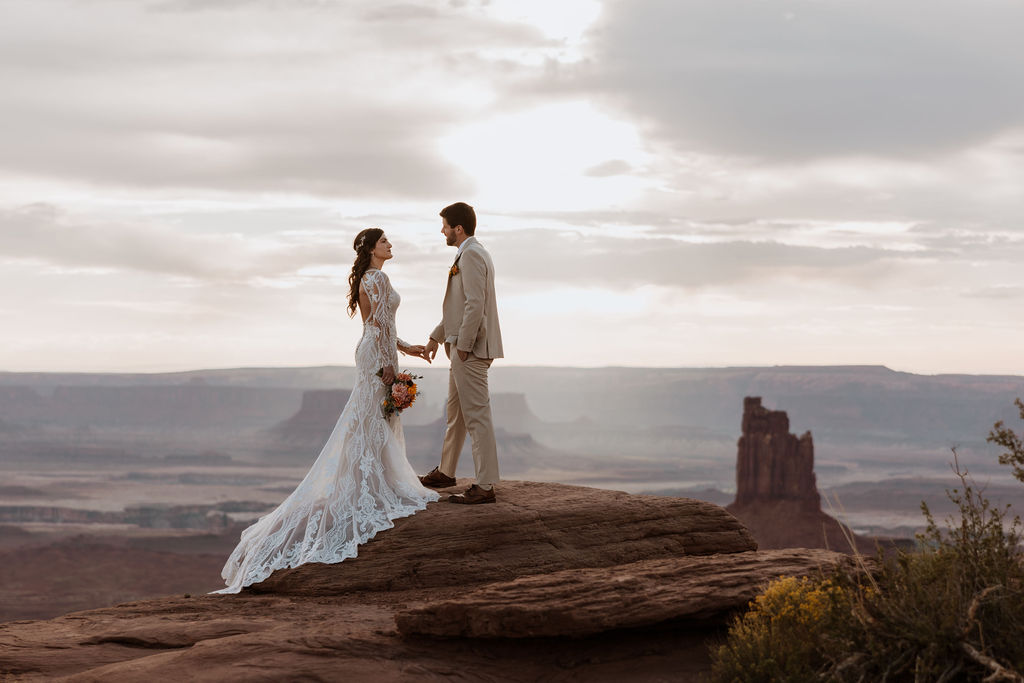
(564, 20)
(539, 158)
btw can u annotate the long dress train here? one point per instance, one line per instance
(361, 481)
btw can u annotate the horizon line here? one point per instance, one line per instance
(853, 366)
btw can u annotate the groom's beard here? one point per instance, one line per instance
(450, 240)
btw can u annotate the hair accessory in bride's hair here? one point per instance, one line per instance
(361, 242)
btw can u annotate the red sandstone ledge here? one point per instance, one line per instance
(622, 574)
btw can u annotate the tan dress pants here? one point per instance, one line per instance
(469, 409)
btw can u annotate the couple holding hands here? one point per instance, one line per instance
(362, 479)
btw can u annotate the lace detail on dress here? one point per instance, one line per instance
(360, 482)
(384, 301)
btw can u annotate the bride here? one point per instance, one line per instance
(362, 480)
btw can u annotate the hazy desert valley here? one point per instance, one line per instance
(118, 487)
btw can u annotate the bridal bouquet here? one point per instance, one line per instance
(402, 393)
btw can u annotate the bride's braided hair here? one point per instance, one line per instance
(364, 244)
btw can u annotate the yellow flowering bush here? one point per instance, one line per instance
(780, 638)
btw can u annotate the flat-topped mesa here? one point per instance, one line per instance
(317, 414)
(771, 463)
(319, 405)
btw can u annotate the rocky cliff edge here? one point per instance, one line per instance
(554, 582)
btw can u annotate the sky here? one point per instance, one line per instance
(660, 183)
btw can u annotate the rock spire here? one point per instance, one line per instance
(771, 463)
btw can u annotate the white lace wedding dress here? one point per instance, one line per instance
(361, 481)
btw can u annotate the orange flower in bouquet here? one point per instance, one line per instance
(402, 393)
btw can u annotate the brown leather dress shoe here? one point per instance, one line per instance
(436, 479)
(474, 495)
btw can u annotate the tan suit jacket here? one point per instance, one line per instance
(470, 310)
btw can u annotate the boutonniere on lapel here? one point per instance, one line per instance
(454, 271)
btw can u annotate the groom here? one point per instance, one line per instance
(469, 328)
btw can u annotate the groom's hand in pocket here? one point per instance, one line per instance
(463, 355)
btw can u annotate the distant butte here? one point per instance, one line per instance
(776, 491)
(772, 464)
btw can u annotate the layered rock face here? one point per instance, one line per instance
(584, 602)
(317, 414)
(776, 492)
(773, 464)
(132, 408)
(553, 582)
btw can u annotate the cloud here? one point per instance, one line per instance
(617, 263)
(801, 79)
(44, 233)
(609, 168)
(222, 5)
(329, 99)
(997, 292)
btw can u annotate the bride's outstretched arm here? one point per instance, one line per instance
(417, 350)
(383, 318)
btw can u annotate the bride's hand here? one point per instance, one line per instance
(388, 377)
(419, 351)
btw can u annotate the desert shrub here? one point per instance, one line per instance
(954, 610)
(1002, 436)
(951, 611)
(780, 638)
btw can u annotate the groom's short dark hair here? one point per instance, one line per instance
(460, 213)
